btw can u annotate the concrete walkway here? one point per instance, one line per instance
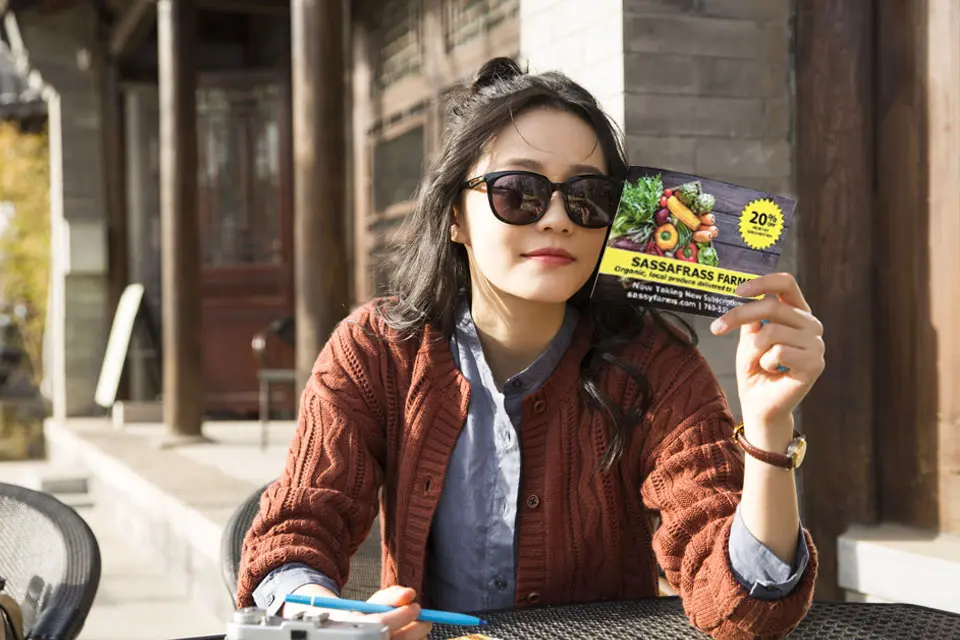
(137, 598)
(143, 594)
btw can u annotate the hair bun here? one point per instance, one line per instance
(495, 70)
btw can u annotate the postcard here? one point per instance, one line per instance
(683, 243)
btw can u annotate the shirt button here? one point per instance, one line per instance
(533, 501)
(533, 597)
(517, 384)
(500, 584)
(539, 406)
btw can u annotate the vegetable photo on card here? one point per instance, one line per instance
(681, 242)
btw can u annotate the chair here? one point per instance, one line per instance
(283, 329)
(364, 565)
(51, 562)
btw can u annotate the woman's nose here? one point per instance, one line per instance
(556, 218)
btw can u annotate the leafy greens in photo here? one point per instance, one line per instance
(637, 206)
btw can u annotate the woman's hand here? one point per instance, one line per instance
(791, 338)
(401, 621)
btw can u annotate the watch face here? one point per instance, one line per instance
(797, 451)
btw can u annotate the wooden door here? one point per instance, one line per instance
(246, 232)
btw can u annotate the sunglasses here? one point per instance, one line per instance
(522, 197)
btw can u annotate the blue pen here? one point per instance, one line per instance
(426, 615)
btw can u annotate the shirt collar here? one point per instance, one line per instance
(537, 373)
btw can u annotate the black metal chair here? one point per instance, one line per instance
(364, 566)
(51, 562)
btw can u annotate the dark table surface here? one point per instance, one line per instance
(663, 619)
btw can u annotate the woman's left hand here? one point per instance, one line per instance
(792, 338)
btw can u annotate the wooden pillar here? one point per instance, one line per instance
(115, 182)
(906, 375)
(942, 259)
(362, 113)
(834, 94)
(321, 262)
(115, 188)
(183, 396)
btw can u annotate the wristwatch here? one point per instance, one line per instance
(796, 450)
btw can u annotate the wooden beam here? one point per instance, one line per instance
(834, 70)
(114, 175)
(906, 381)
(183, 393)
(319, 124)
(942, 259)
(132, 27)
(261, 7)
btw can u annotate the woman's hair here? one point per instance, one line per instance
(433, 272)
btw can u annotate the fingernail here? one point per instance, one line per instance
(743, 289)
(718, 326)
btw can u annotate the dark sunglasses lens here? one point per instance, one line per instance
(592, 202)
(519, 198)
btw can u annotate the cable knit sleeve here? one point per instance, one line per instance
(322, 507)
(693, 475)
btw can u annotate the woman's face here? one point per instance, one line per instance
(552, 258)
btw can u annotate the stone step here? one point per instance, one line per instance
(54, 479)
(138, 595)
(76, 501)
(63, 483)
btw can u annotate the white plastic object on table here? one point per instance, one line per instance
(254, 624)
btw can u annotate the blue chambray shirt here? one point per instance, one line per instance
(471, 563)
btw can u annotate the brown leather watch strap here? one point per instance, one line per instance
(791, 460)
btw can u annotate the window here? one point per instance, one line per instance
(397, 167)
(466, 20)
(238, 182)
(400, 41)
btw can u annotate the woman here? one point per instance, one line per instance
(520, 433)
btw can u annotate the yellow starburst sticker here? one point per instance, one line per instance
(761, 224)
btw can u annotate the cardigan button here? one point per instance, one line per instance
(533, 501)
(533, 597)
(539, 406)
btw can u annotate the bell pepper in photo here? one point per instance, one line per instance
(666, 237)
(686, 253)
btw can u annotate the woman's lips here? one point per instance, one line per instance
(550, 257)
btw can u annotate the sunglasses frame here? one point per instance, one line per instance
(488, 179)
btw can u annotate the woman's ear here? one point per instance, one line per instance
(456, 232)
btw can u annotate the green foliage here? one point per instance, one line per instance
(25, 238)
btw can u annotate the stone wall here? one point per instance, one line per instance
(59, 46)
(585, 40)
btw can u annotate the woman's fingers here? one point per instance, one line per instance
(402, 621)
(774, 334)
(778, 348)
(400, 617)
(415, 631)
(801, 363)
(781, 285)
(394, 596)
(770, 309)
